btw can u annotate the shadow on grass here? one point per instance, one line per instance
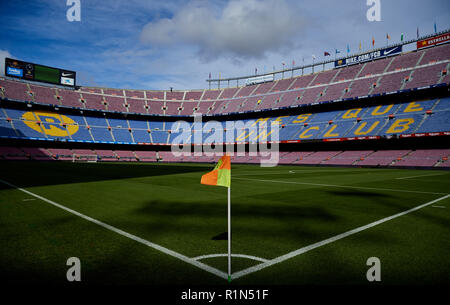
(29, 174)
(355, 193)
(221, 236)
(205, 221)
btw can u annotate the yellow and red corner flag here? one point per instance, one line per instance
(221, 175)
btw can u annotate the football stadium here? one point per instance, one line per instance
(333, 169)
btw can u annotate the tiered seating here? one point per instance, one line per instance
(375, 67)
(360, 87)
(124, 155)
(99, 129)
(173, 108)
(302, 81)
(446, 75)
(146, 156)
(246, 91)
(289, 98)
(134, 94)
(425, 76)
(136, 105)
(334, 92)
(205, 107)
(106, 155)
(39, 154)
(395, 158)
(417, 117)
(113, 92)
(347, 157)
(196, 159)
(383, 157)
(310, 96)
(228, 93)
(114, 103)
(429, 157)
(325, 77)
(405, 61)
(290, 158)
(159, 136)
(167, 156)
(12, 153)
(155, 95)
(175, 95)
(282, 85)
(70, 98)
(79, 152)
(211, 95)
(436, 54)
(219, 107)
(263, 88)
(268, 101)
(61, 154)
(391, 82)
(193, 95)
(234, 106)
(44, 95)
(333, 84)
(16, 90)
(188, 108)
(348, 73)
(155, 107)
(93, 101)
(317, 157)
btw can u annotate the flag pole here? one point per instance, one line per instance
(229, 235)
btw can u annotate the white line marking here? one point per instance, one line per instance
(293, 172)
(343, 186)
(29, 199)
(419, 176)
(255, 258)
(438, 206)
(182, 257)
(329, 240)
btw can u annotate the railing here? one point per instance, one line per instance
(312, 65)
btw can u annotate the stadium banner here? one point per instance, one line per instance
(368, 56)
(15, 72)
(433, 41)
(34, 72)
(425, 134)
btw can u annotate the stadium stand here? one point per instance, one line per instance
(394, 158)
(408, 71)
(37, 112)
(414, 117)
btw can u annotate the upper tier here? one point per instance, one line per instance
(407, 71)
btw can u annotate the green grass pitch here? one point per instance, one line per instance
(274, 211)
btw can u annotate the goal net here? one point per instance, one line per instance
(84, 158)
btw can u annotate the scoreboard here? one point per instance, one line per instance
(39, 73)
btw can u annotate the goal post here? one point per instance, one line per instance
(84, 158)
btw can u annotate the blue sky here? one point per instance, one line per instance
(146, 44)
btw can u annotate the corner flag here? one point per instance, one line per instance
(221, 176)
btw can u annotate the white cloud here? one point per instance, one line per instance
(242, 29)
(3, 54)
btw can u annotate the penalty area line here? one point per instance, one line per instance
(162, 249)
(329, 240)
(411, 177)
